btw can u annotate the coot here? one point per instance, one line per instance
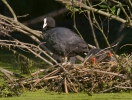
(62, 41)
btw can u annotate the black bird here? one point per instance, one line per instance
(62, 41)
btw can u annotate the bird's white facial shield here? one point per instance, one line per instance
(45, 23)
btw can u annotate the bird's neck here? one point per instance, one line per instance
(47, 28)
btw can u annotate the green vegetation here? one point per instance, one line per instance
(19, 63)
(41, 95)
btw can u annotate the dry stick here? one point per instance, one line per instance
(93, 32)
(53, 72)
(6, 71)
(65, 85)
(23, 16)
(37, 72)
(10, 78)
(75, 27)
(52, 77)
(80, 4)
(74, 89)
(6, 74)
(50, 74)
(11, 10)
(130, 2)
(22, 86)
(101, 2)
(122, 87)
(11, 73)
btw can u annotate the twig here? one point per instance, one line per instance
(37, 72)
(23, 16)
(11, 10)
(130, 2)
(93, 32)
(65, 85)
(7, 75)
(125, 45)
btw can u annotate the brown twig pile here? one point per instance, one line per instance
(102, 77)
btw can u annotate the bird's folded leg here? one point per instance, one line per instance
(65, 61)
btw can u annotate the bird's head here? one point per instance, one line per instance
(109, 54)
(49, 22)
(93, 60)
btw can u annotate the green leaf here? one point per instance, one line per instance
(128, 69)
(103, 6)
(113, 9)
(118, 11)
(76, 9)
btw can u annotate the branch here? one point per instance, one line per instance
(80, 4)
(34, 32)
(11, 10)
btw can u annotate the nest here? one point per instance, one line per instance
(98, 78)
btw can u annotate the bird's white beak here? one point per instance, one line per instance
(45, 23)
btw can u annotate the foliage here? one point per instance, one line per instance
(6, 90)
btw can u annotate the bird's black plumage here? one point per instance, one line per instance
(62, 41)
